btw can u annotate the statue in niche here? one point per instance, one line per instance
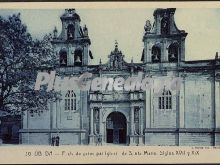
(136, 115)
(135, 130)
(116, 62)
(97, 114)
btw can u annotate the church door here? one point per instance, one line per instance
(116, 128)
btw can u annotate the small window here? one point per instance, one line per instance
(165, 100)
(156, 54)
(70, 101)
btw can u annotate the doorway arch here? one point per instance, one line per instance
(116, 128)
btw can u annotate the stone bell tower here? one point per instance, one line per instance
(72, 45)
(163, 42)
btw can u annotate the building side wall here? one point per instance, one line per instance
(198, 102)
(35, 138)
(160, 139)
(162, 118)
(195, 139)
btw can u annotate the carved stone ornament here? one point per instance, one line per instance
(147, 26)
(137, 104)
(94, 105)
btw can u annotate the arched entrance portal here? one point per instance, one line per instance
(116, 127)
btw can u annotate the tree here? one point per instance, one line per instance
(20, 59)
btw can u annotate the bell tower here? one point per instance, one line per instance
(163, 42)
(72, 45)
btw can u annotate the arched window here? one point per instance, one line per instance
(173, 53)
(165, 100)
(70, 101)
(78, 57)
(63, 58)
(164, 26)
(156, 54)
(70, 32)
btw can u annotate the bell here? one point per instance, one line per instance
(172, 55)
(156, 58)
(63, 62)
(78, 59)
(70, 35)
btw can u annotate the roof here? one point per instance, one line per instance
(164, 11)
(70, 14)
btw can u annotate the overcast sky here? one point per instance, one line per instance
(127, 27)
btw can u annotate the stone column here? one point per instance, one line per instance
(51, 121)
(217, 104)
(177, 116)
(141, 125)
(100, 132)
(132, 126)
(100, 123)
(142, 121)
(148, 108)
(58, 115)
(54, 113)
(86, 55)
(51, 114)
(182, 50)
(104, 133)
(70, 56)
(164, 52)
(182, 104)
(91, 136)
(91, 121)
(132, 120)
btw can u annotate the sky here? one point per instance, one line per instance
(127, 27)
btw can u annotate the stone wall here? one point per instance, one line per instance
(199, 108)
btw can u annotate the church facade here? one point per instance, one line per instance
(187, 116)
